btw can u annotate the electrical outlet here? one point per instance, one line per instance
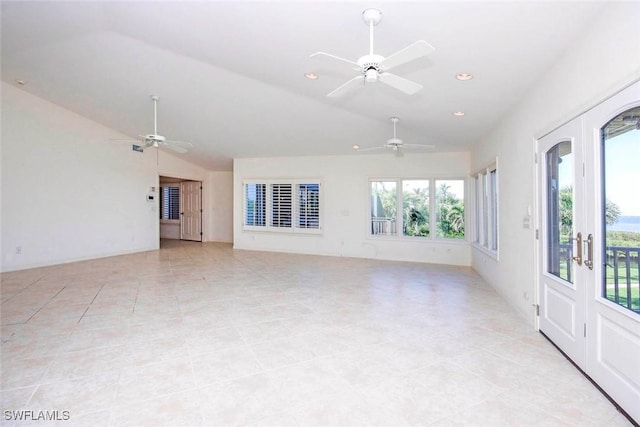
(18, 250)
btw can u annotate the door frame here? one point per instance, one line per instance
(176, 179)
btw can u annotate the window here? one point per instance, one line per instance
(283, 205)
(170, 203)
(308, 215)
(450, 208)
(415, 208)
(407, 205)
(255, 203)
(383, 207)
(486, 209)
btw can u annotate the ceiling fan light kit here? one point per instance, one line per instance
(375, 67)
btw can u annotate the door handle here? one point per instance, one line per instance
(578, 257)
(589, 261)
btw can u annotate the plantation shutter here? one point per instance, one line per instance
(308, 206)
(255, 205)
(170, 203)
(281, 205)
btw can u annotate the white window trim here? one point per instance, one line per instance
(485, 242)
(432, 238)
(295, 209)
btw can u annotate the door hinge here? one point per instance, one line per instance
(537, 306)
(535, 158)
(585, 330)
(201, 233)
(537, 234)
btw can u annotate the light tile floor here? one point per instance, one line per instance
(200, 334)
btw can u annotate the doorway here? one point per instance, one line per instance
(589, 244)
(180, 209)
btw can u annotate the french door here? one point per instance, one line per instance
(589, 243)
(562, 292)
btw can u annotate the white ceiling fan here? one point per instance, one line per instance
(156, 140)
(395, 144)
(374, 67)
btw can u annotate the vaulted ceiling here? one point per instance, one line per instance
(230, 75)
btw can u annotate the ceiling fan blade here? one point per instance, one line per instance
(186, 144)
(347, 87)
(175, 148)
(371, 148)
(147, 145)
(128, 140)
(419, 146)
(400, 83)
(413, 51)
(320, 54)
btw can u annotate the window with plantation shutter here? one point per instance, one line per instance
(255, 205)
(170, 203)
(308, 215)
(289, 205)
(281, 205)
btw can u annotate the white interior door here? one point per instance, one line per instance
(191, 210)
(613, 221)
(589, 274)
(562, 285)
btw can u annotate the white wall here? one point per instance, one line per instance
(346, 207)
(603, 60)
(220, 211)
(69, 193)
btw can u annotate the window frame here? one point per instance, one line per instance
(295, 222)
(399, 220)
(486, 210)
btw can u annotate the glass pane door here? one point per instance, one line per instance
(560, 211)
(621, 209)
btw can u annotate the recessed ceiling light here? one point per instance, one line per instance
(458, 113)
(356, 147)
(21, 82)
(311, 76)
(464, 76)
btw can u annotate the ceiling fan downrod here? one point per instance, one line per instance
(155, 99)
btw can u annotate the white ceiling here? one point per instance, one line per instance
(230, 75)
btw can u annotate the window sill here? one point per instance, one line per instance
(290, 231)
(430, 240)
(169, 221)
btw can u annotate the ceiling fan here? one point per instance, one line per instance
(395, 144)
(158, 141)
(374, 67)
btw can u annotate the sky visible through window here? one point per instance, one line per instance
(623, 178)
(623, 172)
